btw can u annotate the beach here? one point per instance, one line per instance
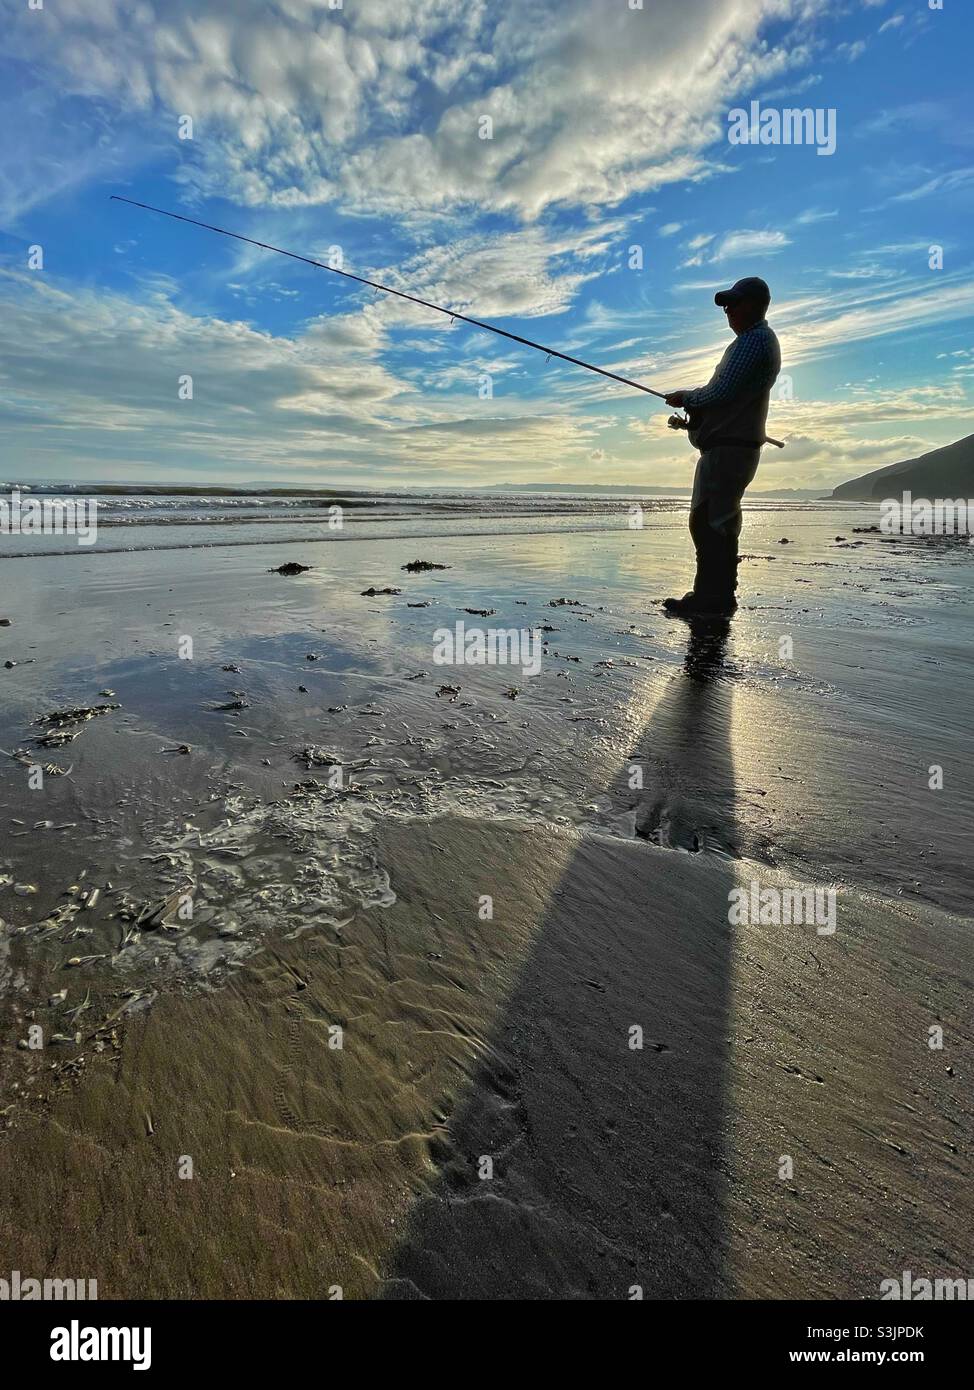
(470, 1018)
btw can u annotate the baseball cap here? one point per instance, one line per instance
(751, 287)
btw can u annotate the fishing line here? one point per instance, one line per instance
(412, 298)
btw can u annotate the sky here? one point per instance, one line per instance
(563, 168)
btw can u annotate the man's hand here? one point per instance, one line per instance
(675, 398)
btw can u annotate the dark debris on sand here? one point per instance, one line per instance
(65, 725)
(313, 755)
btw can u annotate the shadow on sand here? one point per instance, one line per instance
(609, 1171)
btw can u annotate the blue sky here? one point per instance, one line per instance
(359, 125)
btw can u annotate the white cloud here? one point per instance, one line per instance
(528, 273)
(852, 51)
(812, 215)
(792, 89)
(737, 245)
(912, 116)
(300, 104)
(862, 272)
(321, 405)
(950, 182)
(326, 406)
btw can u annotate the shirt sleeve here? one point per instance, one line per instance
(745, 367)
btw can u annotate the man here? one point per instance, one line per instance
(727, 419)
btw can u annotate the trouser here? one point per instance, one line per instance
(721, 478)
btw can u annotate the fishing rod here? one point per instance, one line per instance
(675, 421)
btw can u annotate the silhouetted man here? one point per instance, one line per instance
(727, 420)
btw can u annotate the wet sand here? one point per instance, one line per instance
(465, 1038)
